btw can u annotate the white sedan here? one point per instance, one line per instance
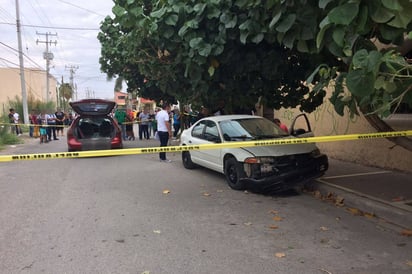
(278, 167)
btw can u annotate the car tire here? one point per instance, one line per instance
(187, 160)
(234, 172)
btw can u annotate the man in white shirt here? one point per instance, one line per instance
(164, 130)
(16, 117)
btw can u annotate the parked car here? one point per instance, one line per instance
(93, 128)
(277, 167)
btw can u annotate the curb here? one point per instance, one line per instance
(396, 214)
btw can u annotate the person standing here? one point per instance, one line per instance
(16, 117)
(164, 130)
(144, 124)
(11, 120)
(33, 122)
(120, 116)
(176, 122)
(59, 121)
(42, 122)
(51, 126)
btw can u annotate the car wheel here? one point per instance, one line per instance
(234, 172)
(187, 160)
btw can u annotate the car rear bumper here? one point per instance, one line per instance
(291, 179)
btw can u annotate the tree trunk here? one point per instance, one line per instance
(381, 126)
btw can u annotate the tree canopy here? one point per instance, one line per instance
(284, 51)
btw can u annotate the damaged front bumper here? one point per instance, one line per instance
(290, 178)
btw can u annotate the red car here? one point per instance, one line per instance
(93, 128)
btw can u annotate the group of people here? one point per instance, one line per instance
(44, 125)
(48, 126)
(146, 121)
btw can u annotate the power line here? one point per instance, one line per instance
(47, 27)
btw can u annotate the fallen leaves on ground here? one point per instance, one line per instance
(277, 218)
(166, 191)
(280, 255)
(355, 211)
(157, 231)
(273, 227)
(324, 228)
(248, 223)
(406, 232)
(330, 197)
(206, 194)
(409, 263)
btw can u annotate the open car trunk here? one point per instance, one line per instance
(95, 133)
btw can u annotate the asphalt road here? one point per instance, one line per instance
(134, 214)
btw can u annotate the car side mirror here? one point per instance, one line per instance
(298, 131)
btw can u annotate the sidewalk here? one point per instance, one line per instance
(384, 193)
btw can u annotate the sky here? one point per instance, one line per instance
(73, 26)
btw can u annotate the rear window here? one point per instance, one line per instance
(95, 127)
(95, 108)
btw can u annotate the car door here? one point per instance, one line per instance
(206, 132)
(300, 126)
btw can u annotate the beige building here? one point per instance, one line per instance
(373, 152)
(35, 86)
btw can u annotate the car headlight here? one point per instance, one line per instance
(260, 160)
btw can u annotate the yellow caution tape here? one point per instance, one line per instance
(33, 125)
(148, 150)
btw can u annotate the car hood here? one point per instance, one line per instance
(280, 150)
(93, 107)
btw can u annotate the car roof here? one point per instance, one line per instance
(93, 107)
(220, 118)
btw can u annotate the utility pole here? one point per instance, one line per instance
(47, 56)
(22, 79)
(72, 70)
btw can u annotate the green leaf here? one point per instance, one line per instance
(205, 50)
(182, 31)
(118, 11)
(211, 71)
(321, 33)
(158, 13)
(171, 20)
(401, 20)
(360, 83)
(378, 13)
(275, 19)
(258, 38)
(344, 15)
(287, 23)
(360, 59)
(302, 46)
(213, 12)
(229, 20)
(243, 36)
(338, 36)
(195, 42)
(245, 25)
(199, 8)
(392, 4)
(324, 3)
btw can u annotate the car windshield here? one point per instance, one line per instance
(250, 129)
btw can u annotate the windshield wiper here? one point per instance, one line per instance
(269, 136)
(242, 137)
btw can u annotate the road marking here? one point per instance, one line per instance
(356, 174)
